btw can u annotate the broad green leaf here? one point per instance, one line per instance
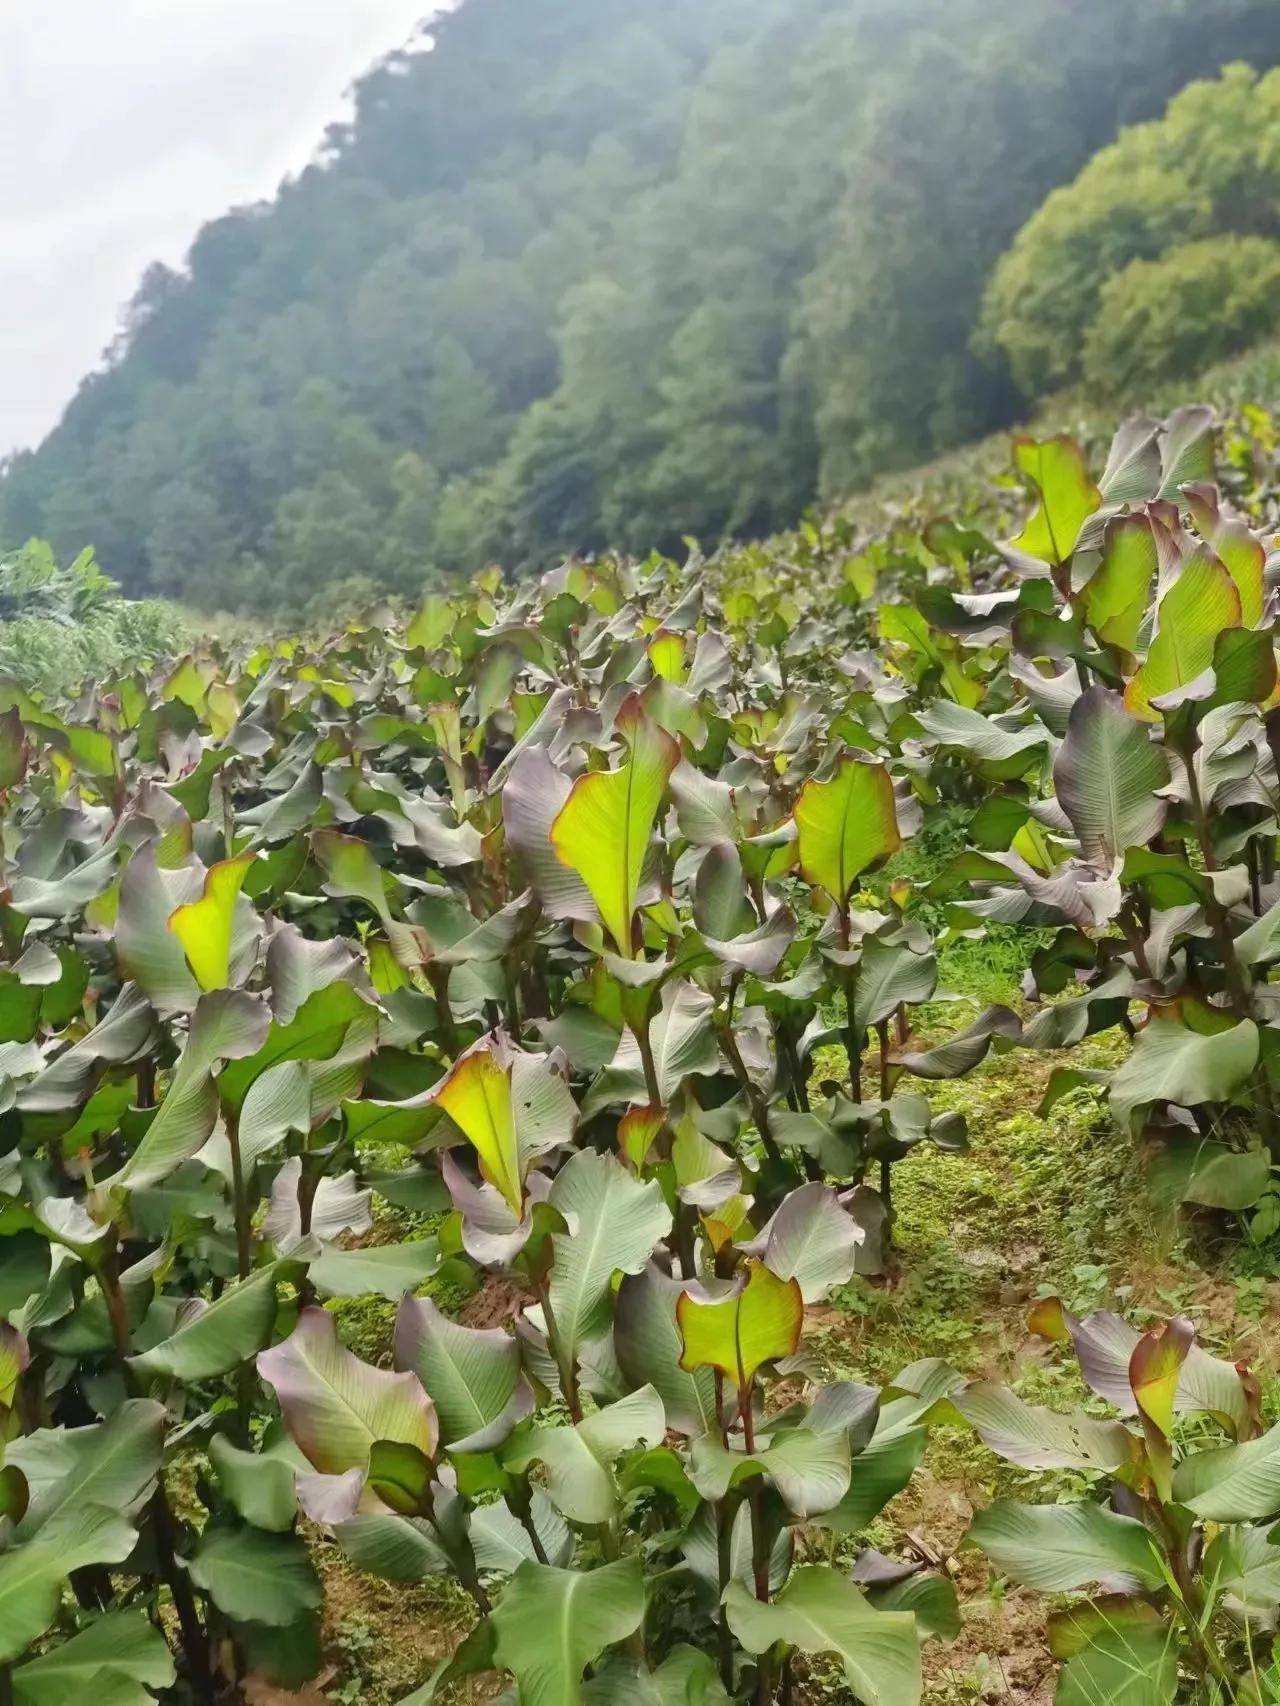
(845, 825)
(648, 1346)
(889, 974)
(1116, 595)
(579, 1460)
(1107, 775)
(551, 1624)
(1122, 1666)
(256, 1577)
(602, 831)
(118, 1659)
(1236, 1483)
(385, 1270)
(227, 1025)
(32, 1577)
(1186, 449)
(350, 869)
(1198, 606)
(1243, 1563)
(810, 1239)
(1065, 493)
(1059, 1547)
(821, 1611)
(109, 1464)
(337, 1407)
(432, 624)
(809, 1469)
(204, 926)
(213, 1338)
(323, 1029)
(614, 1223)
(471, 1374)
(501, 1541)
(1171, 1063)
(1040, 1438)
(683, 1042)
(260, 1484)
(757, 1319)
(877, 1474)
(398, 1548)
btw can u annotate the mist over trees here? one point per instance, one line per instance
(590, 272)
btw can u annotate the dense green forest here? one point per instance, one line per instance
(586, 274)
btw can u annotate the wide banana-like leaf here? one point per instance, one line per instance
(845, 825)
(1108, 774)
(551, 1624)
(602, 831)
(755, 1319)
(472, 1375)
(821, 1611)
(336, 1407)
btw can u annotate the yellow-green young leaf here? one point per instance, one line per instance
(1242, 555)
(1067, 494)
(432, 623)
(845, 825)
(637, 1129)
(666, 654)
(602, 830)
(1156, 1367)
(1195, 610)
(204, 926)
(758, 1320)
(1115, 596)
(476, 1095)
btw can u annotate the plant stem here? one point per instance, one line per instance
(194, 1644)
(520, 1505)
(563, 1362)
(759, 1538)
(240, 1199)
(438, 977)
(724, 1568)
(460, 1555)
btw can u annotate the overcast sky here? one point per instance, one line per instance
(124, 125)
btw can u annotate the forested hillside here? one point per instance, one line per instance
(588, 273)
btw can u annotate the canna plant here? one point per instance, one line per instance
(1170, 1567)
(553, 946)
(528, 931)
(1126, 734)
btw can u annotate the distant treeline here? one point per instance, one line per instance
(590, 272)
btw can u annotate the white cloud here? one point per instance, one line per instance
(124, 125)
